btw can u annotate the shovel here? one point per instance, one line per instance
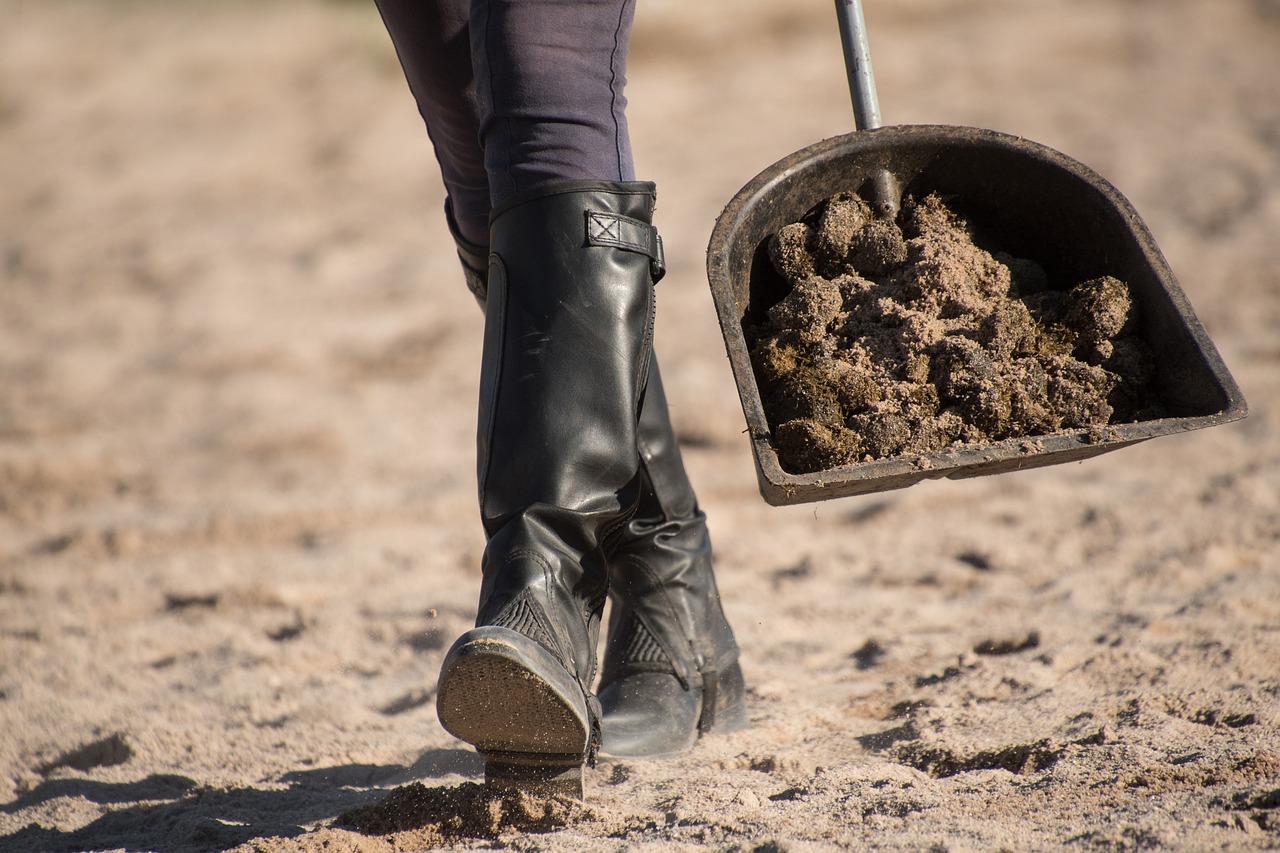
(1027, 199)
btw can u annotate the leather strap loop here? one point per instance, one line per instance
(628, 234)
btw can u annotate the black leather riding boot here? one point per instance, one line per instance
(671, 663)
(671, 667)
(567, 344)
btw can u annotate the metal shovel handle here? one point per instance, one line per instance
(862, 89)
(857, 63)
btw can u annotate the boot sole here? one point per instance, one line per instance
(522, 710)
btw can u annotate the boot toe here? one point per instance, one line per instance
(651, 715)
(648, 715)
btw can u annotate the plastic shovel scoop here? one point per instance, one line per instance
(1029, 201)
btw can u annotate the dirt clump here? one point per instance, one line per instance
(904, 337)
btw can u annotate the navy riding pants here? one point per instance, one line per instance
(516, 94)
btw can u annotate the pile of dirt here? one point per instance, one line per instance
(903, 337)
(439, 816)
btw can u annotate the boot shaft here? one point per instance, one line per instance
(568, 335)
(567, 344)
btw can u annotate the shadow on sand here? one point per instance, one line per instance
(174, 814)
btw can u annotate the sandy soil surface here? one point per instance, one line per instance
(237, 392)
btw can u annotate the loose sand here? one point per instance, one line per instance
(237, 512)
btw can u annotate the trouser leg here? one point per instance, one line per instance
(432, 39)
(549, 82)
(516, 94)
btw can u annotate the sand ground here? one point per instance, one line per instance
(237, 385)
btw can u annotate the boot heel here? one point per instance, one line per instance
(542, 775)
